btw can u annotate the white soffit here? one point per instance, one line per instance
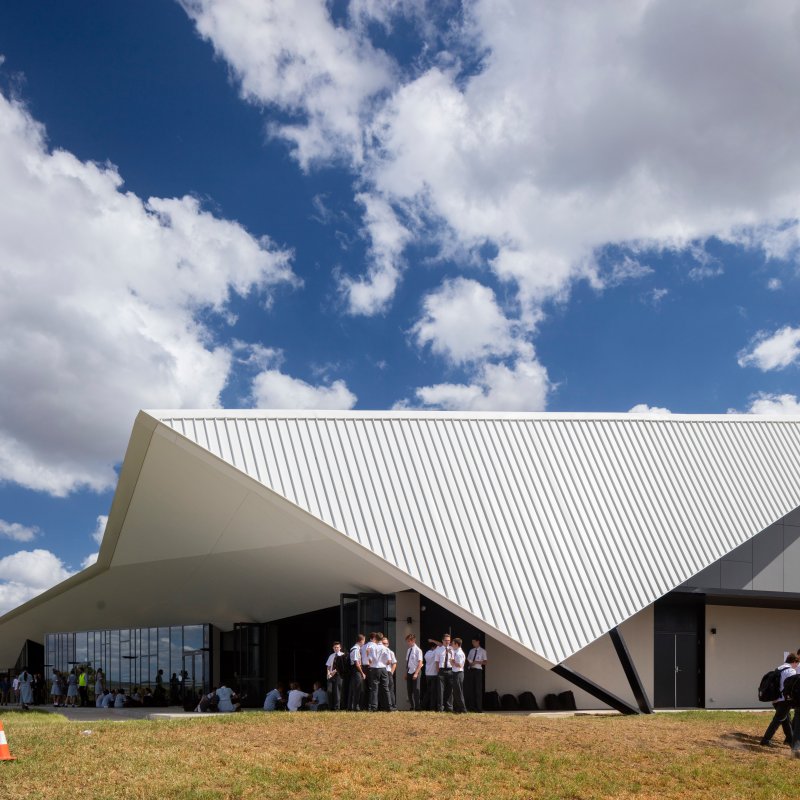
(552, 529)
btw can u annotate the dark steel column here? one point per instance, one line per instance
(630, 671)
(593, 689)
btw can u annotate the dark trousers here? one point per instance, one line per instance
(335, 685)
(473, 689)
(355, 690)
(378, 688)
(458, 693)
(430, 697)
(412, 690)
(781, 719)
(445, 690)
(84, 695)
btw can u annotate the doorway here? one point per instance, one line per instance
(678, 666)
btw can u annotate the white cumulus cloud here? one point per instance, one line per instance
(17, 531)
(463, 322)
(772, 351)
(99, 298)
(523, 386)
(26, 573)
(100, 528)
(775, 404)
(275, 389)
(643, 408)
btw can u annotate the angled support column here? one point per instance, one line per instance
(630, 671)
(593, 689)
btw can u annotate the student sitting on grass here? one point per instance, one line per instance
(274, 701)
(319, 699)
(296, 697)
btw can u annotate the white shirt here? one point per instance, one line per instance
(476, 654)
(331, 657)
(431, 668)
(444, 654)
(413, 658)
(786, 672)
(108, 700)
(378, 655)
(271, 700)
(459, 659)
(392, 659)
(296, 698)
(364, 656)
(119, 701)
(355, 654)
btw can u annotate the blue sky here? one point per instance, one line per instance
(459, 205)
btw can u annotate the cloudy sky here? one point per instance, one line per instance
(474, 204)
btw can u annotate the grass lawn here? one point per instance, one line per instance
(361, 756)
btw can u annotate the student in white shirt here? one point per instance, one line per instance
(334, 669)
(319, 699)
(459, 660)
(355, 697)
(390, 672)
(430, 700)
(296, 697)
(414, 662)
(444, 660)
(473, 680)
(782, 706)
(378, 677)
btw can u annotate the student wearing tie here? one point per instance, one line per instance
(444, 659)
(414, 663)
(473, 681)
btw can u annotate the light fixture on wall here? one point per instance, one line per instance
(713, 631)
(409, 620)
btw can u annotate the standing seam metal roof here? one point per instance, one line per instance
(551, 529)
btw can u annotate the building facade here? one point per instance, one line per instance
(634, 560)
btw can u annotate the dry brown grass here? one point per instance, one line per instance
(694, 755)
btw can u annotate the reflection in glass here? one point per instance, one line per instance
(133, 656)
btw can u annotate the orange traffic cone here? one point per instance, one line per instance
(5, 753)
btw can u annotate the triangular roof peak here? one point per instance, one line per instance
(549, 528)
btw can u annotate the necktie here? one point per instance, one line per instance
(446, 657)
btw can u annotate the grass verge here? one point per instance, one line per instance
(397, 756)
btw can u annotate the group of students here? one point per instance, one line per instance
(445, 678)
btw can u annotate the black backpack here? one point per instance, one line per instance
(791, 690)
(769, 690)
(341, 664)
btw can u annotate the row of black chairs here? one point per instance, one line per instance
(493, 701)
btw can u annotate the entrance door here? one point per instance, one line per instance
(250, 658)
(677, 670)
(363, 613)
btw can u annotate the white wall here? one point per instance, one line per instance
(748, 642)
(510, 673)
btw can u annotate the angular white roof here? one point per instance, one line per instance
(548, 529)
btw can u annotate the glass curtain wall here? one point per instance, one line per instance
(133, 656)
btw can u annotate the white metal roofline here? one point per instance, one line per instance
(273, 413)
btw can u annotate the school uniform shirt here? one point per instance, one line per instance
(431, 668)
(271, 700)
(296, 698)
(108, 701)
(379, 656)
(444, 654)
(477, 654)
(331, 659)
(413, 658)
(355, 655)
(459, 659)
(392, 659)
(319, 697)
(225, 695)
(786, 672)
(119, 701)
(364, 656)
